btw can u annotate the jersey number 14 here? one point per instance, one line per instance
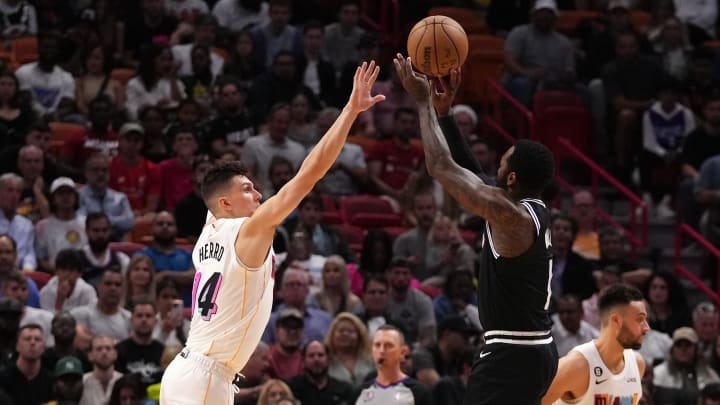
(205, 302)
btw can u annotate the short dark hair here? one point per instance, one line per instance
(609, 230)
(101, 99)
(571, 298)
(30, 326)
(39, 125)
(219, 176)
(312, 198)
(16, 276)
(561, 216)
(400, 261)
(313, 25)
(95, 216)
(375, 277)
(617, 294)
(70, 259)
(391, 327)
(304, 348)
(166, 283)
(142, 301)
(534, 165)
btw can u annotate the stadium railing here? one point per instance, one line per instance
(683, 231)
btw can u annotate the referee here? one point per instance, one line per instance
(391, 386)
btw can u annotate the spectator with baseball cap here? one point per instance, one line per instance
(67, 381)
(286, 360)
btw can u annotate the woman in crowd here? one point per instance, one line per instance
(172, 326)
(15, 116)
(273, 391)
(155, 148)
(243, 63)
(667, 305)
(96, 79)
(349, 349)
(139, 279)
(335, 295)
(302, 127)
(375, 258)
(156, 82)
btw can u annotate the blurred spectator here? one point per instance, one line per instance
(64, 228)
(106, 317)
(631, 84)
(412, 308)
(317, 72)
(613, 252)
(503, 16)
(537, 57)
(665, 125)
(285, 357)
(156, 83)
(259, 150)
(15, 286)
(605, 277)
(277, 35)
(19, 228)
(48, 84)
(446, 251)
(169, 260)
(701, 81)
(8, 264)
(67, 384)
(232, 126)
(140, 354)
(19, 18)
(15, 116)
(666, 303)
(342, 37)
(315, 386)
(191, 210)
(273, 392)
(706, 322)
(376, 253)
(571, 273)
(413, 244)
(96, 80)
(155, 148)
(186, 10)
(237, 15)
(707, 191)
(586, 238)
(10, 313)
(374, 310)
(203, 37)
(33, 204)
(151, 24)
(294, 291)
(457, 298)
(280, 172)
(127, 389)
(444, 359)
(368, 48)
(255, 373)
(133, 175)
(655, 347)
(700, 17)
(349, 174)
(349, 349)
(177, 170)
(244, 65)
(710, 394)
(467, 121)
(27, 382)
(98, 383)
(450, 390)
(139, 280)
(681, 377)
(96, 196)
(335, 296)
(394, 117)
(393, 162)
(172, 326)
(299, 256)
(99, 257)
(199, 83)
(569, 330)
(67, 290)
(302, 128)
(673, 46)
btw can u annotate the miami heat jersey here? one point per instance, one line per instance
(604, 387)
(231, 303)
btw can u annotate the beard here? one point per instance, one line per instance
(165, 240)
(98, 246)
(501, 181)
(628, 341)
(316, 372)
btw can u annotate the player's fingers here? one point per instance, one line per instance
(357, 74)
(378, 98)
(374, 75)
(369, 71)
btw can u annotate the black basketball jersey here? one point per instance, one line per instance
(514, 293)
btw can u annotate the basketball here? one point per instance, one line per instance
(437, 44)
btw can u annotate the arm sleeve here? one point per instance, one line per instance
(126, 219)
(459, 147)
(649, 141)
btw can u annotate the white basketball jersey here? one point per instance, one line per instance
(604, 387)
(231, 303)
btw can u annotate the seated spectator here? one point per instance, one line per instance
(204, 35)
(392, 115)
(413, 244)
(33, 203)
(277, 35)
(613, 252)
(140, 354)
(67, 384)
(537, 57)
(8, 264)
(571, 273)
(243, 64)
(710, 395)
(315, 386)
(670, 379)
(187, 10)
(410, 307)
(96, 196)
(176, 172)
(342, 37)
(280, 172)
(63, 329)
(19, 19)
(172, 327)
(446, 251)
(48, 84)
(316, 70)
(107, 316)
(374, 309)
(139, 280)
(169, 260)
(199, 83)
(299, 257)
(444, 359)
(17, 227)
(302, 128)
(27, 382)
(273, 392)
(706, 323)
(127, 388)
(569, 330)
(191, 210)
(131, 174)
(392, 162)
(156, 83)
(700, 18)
(586, 240)
(99, 257)
(256, 374)
(67, 290)
(701, 81)
(96, 80)
(10, 313)
(667, 305)
(655, 347)
(236, 16)
(335, 296)
(65, 228)
(608, 275)
(232, 126)
(285, 357)
(673, 46)
(259, 150)
(294, 291)
(368, 48)
(146, 25)
(376, 253)
(457, 298)
(349, 349)
(98, 384)
(467, 121)
(15, 286)
(450, 390)
(16, 116)
(156, 147)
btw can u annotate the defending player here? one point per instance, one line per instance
(519, 360)
(233, 289)
(606, 370)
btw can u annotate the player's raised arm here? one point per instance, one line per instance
(571, 380)
(257, 233)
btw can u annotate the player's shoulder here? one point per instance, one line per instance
(573, 363)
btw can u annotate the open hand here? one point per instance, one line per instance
(416, 85)
(444, 100)
(365, 76)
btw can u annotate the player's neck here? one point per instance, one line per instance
(611, 352)
(389, 377)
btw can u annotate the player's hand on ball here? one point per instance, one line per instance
(443, 98)
(417, 86)
(365, 76)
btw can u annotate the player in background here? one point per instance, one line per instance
(519, 360)
(233, 288)
(606, 370)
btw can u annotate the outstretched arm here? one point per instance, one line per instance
(257, 233)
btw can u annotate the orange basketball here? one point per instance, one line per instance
(437, 44)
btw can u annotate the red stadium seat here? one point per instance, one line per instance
(395, 231)
(39, 278)
(368, 212)
(569, 19)
(471, 22)
(353, 235)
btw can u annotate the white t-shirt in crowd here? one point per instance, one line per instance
(47, 89)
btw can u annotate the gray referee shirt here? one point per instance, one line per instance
(404, 392)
